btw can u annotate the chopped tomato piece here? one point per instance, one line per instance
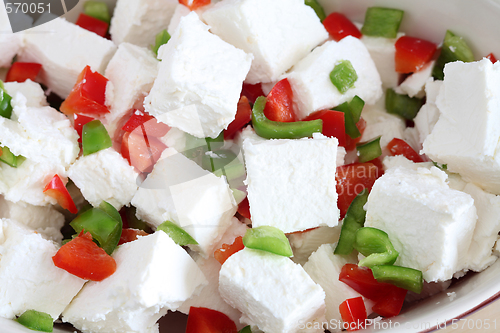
(400, 147)
(350, 144)
(142, 151)
(491, 57)
(413, 53)
(88, 94)
(21, 71)
(151, 125)
(228, 250)
(209, 321)
(194, 4)
(57, 190)
(85, 259)
(339, 26)
(252, 91)
(243, 117)
(353, 313)
(279, 104)
(333, 124)
(129, 235)
(79, 121)
(244, 208)
(90, 23)
(351, 179)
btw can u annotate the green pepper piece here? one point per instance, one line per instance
(246, 329)
(354, 220)
(94, 137)
(369, 151)
(178, 235)
(375, 245)
(36, 320)
(98, 10)
(269, 129)
(226, 164)
(9, 158)
(402, 105)
(314, 4)
(268, 238)
(161, 38)
(343, 76)
(5, 107)
(133, 222)
(382, 22)
(402, 277)
(454, 48)
(352, 114)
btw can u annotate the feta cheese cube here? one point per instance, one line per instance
(199, 80)
(153, 275)
(310, 78)
(139, 21)
(28, 277)
(180, 191)
(64, 49)
(179, 12)
(429, 224)
(10, 43)
(305, 243)
(32, 91)
(278, 33)
(271, 291)
(414, 84)
(428, 115)
(466, 135)
(291, 183)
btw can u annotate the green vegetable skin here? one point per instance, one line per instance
(343, 76)
(454, 48)
(161, 38)
(402, 105)
(269, 129)
(382, 22)
(94, 137)
(37, 321)
(317, 8)
(11, 159)
(352, 114)
(269, 239)
(369, 151)
(246, 329)
(5, 107)
(178, 235)
(98, 10)
(376, 246)
(403, 277)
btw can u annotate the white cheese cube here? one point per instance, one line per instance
(306, 242)
(428, 115)
(180, 191)
(271, 291)
(278, 33)
(10, 43)
(179, 12)
(29, 280)
(291, 183)
(132, 71)
(153, 275)
(139, 21)
(466, 135)
(310, 78)
(35, 96)
(429, 224)
(64, 49)
(414, 84)
(199, 80)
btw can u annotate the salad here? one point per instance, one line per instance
(299, 174)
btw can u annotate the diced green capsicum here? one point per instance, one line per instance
(402, 105)
(382, 22)
(268, 238)
(5, 107)
(36, 320)
(95, 137)
(178, 235)
(402, 277)
(269, 129)
(454, 48)
(343, 76)
(98, 10)
(369, 151)
(9, 158)
(246, 329)
(354, 220)
(376, 246)
(352, 114)
(161, 38)
(314, 4)
(224, 163)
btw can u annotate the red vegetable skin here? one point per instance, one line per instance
(227, 250)
(353, 313)
(79, 121)
(339, 26)
(244, 208)
(252, 91)
(152, 127)
(333, 124)
(413, 53)
(400, 147)
(194, 4)
(21, 71)
(391, 304)
(88, 95)
(90, 23)
(350, 144)
(129, 235)
(85, 259)
(491, 57)
(57, 190)
(141, 151)
(203, 320)
(279, 104)
(243, 117)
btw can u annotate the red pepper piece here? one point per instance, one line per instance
(339, 26)
(353, 313)
(79, 121)
(491, 57)
(413, 53)
(227, 250)
(244, 208)
(57, 190)
(400, 147)
(129, 235)
(243, 117)
(141, 151)
(209, 321)
(90, 23)
(333, 124)
(21, 71)
(252, 91)
(151, 125)
(194, 4)
(279, 104)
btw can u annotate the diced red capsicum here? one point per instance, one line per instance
(90, 23)
(413, 53)
(279, 103)
(151, 126)
(252, 91)
(243, 117)
(244, 208)
(88, 95)
(194, 4)
(129, 235)
(339, 26)
(333, 124)
(79, 121)
(85, 259)
(21, 71)
(209, 321)
(228, 250)
(400, 147)
(142, 151)
(353, 313)
(491, 57)
(57, 190)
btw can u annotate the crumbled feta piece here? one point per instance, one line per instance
(235, 230)
(199, 80)
(29, 280)
(291, 183)
(35, 96)
(10, 43)
(105, 176)
(429, 224)
(466, 136)
(414, 84)
(64, 49)
(278, 33)
(428, 115)
(179, 12)
(153, 275)
(281, 295)
(310, 77)
(306, 242)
